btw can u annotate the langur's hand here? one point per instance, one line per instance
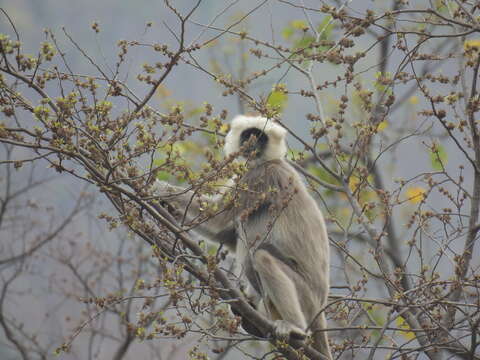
(163, 188)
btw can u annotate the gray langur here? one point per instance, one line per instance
(275, 229)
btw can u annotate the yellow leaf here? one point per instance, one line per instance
(163, 92)
(140, 331)
(471, 44)
(212, 43)
(413, 100)
(415, 194)
(299, 24)
(344, 212)
(382, 126)
(224, 128)
(401, 323)
(353, 183)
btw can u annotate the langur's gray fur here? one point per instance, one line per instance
(276, 230)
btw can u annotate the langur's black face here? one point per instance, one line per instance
(253, 141)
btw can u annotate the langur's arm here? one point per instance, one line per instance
(219, 227)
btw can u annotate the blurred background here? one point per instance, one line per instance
(56, 252)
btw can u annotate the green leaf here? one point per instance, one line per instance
(277, 100)
(326, 27)
(379, 86)
(163, 176)
(293, 154)
(438, 157)
(441, 7)
(304, 42)
(322, 174)
(287, 32)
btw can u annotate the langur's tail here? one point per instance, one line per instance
(320, 338)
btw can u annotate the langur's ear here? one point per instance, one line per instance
(276, 131)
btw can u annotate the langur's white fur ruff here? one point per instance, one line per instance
(276, 146)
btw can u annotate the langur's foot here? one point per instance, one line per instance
(285, 330)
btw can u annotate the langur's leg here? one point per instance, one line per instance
(283, 299)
